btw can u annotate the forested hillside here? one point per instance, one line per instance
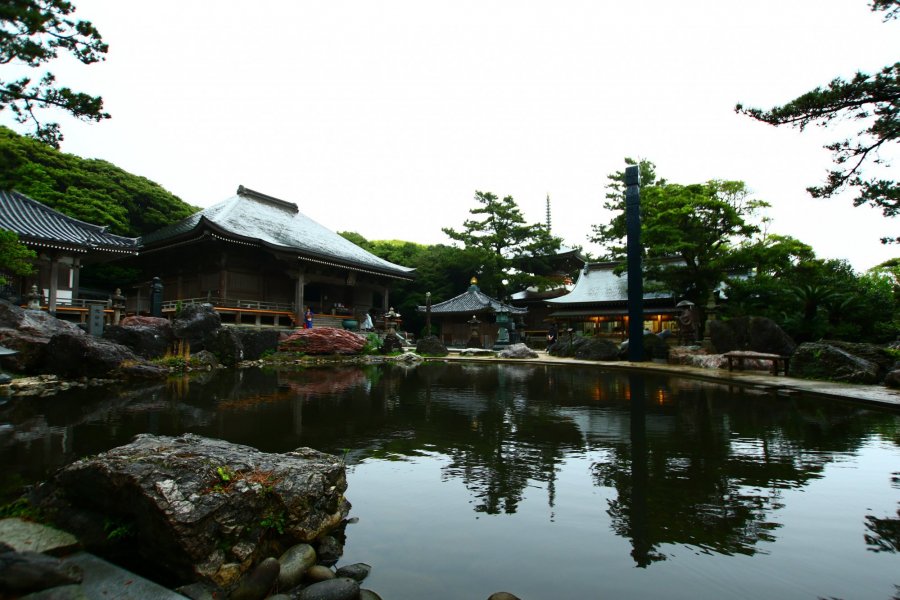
(92, 190)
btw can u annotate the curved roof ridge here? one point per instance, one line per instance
(252, 216)
(29, 218)
(472, 301)
(598, 282)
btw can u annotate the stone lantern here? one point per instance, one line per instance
(503, 327)
(474, 336)
(34, 299)
(390, 320)
(391, 342)
(118, 304)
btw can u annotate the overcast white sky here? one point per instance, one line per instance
(385, 117)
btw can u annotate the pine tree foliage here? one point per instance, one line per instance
(611, 235)
(500, 236)
(871, 99)
(32, 33)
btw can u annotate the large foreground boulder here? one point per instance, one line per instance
(587, 348)
(148, 339)
(517, 351)
(194, 507)
(199, 327)
(257, 342)
(323, 341)
(195, 323)
(226, 345)
(824, 360)
(431, 345)
(757, 334)
(28, 332)
(870, 352)
(73, 356)
(696, 356)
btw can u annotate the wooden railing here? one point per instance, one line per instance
(229, 303)
(83, 302)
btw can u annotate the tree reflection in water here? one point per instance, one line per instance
(883, 535)
(681, 462)
(696, 465)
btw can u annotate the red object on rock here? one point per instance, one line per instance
(323, 340)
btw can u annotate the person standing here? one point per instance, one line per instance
(307, 318)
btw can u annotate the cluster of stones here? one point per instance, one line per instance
(42, 386)
(299, 573)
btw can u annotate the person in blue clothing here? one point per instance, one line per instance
(307, 318)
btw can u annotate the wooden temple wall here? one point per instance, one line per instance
(457, 333)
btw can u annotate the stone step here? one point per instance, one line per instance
(102, 579)
(26, 536)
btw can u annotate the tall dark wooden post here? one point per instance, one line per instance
(156, 296)
(635, 271)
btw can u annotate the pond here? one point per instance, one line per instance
(545, 481)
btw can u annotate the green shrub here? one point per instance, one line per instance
(373, 344)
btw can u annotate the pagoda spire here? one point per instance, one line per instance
(548, 213)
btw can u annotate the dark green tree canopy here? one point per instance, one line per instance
(693, 235)
(871, 99)
(15, 258)
(813, 299)
(502, 239)
(88, 189)
(612, 234)
(442, 270)
(32, 33)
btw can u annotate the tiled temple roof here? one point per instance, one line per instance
(599, 284)
(255, 218)
(40, 225)
(470, 302)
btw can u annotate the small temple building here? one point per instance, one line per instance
(474, 314)
(62, 244)
(255, 252)
(251, 256)
(559, 269)
(598, 304)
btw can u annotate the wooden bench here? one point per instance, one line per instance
(779, 362)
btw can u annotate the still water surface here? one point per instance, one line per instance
(548, 482)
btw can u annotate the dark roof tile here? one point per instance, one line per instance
(38, 224)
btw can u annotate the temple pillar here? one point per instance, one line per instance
(54, 285)
(299, 300)
(223, 277)
(76, 278)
